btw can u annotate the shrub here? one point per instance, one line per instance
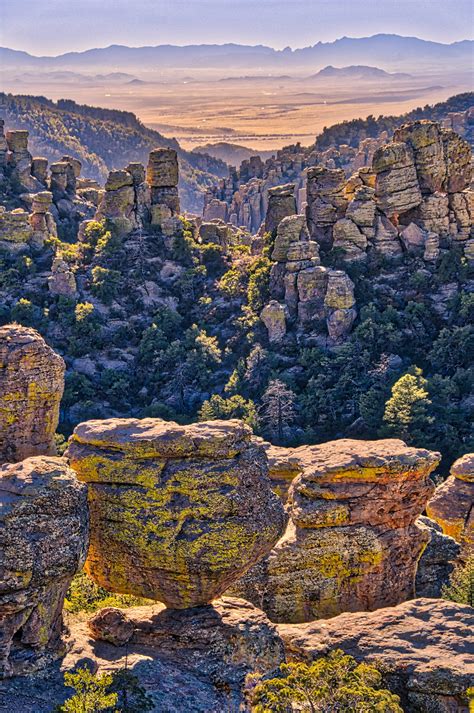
(333, 683)
(461, 583)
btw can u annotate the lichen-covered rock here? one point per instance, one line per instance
(15, 226)
(62, 280)
(281, 203)
(452, 505)
(425, 139)
(178, 513)
(162, 176)
(396, 184)
(386, 240)
(326, 202)
(274, 315)
(43, 533)
(31, 387)
(291, 229)
(423, 648)
(437, 561)
(350, 240)
(352, 542)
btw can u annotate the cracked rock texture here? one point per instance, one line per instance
(31, 387)
(43, 538)
(452, 505)
(424, 649)
(178, 513)
(352, 542)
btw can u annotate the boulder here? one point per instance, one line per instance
(423, 648)
(352, 542)
(396, 183)
(274, 316)
(350, 240)
(437, 561)
(452, 505)
(32, 383)
(291, 229)
(178, 513)
(43, 532)
(186, 660)
(281, 203)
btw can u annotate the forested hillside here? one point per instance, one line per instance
(103, 139)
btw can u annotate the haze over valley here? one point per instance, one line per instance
(257, 97)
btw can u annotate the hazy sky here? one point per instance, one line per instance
(55, 26)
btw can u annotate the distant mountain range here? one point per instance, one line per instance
(357, 71)
(383, 50)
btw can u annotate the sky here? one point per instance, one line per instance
(55, 26)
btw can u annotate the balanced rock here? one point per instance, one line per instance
(178, 513)
(352, 542)
(281, 203)
(43, 532)
(32, 383)
(424, 649)
(452, 505)
(274, 315)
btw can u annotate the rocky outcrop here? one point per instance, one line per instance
(230, 634)
(274, 317)
(281, 203)
(452, 505)
(31, 387)
(352, 542)
(62, 280)
(186, 660)
(19, 160)
(423, 648)
(194, 505)
(326, 202)
(437, 561)
(15, 226)
(43, 531)
(162, 177)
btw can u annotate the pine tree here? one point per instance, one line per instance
(406, 411)
(278, 410)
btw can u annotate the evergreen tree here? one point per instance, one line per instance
(406, 411)
(278, 410)
(461, 583)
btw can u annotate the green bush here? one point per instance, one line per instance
(335, 682)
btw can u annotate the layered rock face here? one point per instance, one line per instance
(194, 506)
(415, 198)
(31, 387)
(452, 505)
(310, 293)
(43, 532)
(423, 648)
(352, 542)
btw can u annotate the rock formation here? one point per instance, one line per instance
(43, 531)
(162, 177)
(230, 635)
(423, 648)
(437, 561)
(452, 505)
(326, 202)
(281, 203)
(352, 542)
(31, 387)
(194, 505)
